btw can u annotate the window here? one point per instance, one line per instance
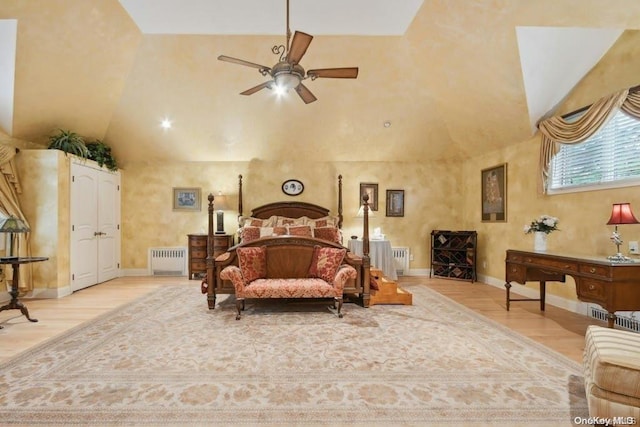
(609, 158)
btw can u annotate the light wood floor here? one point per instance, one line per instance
(558, 329)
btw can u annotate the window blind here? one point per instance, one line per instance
(611, 155)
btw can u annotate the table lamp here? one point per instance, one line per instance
(221, 205)
(12, 225)
(620, 214)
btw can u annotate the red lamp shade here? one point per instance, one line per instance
(621, 214)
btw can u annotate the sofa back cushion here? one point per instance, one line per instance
(253, 263)
(325, 262)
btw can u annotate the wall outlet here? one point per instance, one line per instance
(484, 264)
(633, 247)
(410, 257)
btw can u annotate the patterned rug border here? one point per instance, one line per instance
(338, 416)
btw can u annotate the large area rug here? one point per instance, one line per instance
(166, 359)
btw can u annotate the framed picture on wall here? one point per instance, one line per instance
(395, 202)
(186, 199)
(494, 193)
(370, 189)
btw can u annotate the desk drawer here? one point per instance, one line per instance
(514, 257)
(591, 290)
(596, 270)
(516, 273)
(558, 264)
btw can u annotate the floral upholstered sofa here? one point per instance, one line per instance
(293, 269)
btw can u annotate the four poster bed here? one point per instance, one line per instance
(292, 234)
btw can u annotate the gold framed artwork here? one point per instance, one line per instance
(186, 199)
(494, 193)
(395, 202)
(371, 189)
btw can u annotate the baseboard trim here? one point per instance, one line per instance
(130, 272)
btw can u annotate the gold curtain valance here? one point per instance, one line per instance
(556, 130)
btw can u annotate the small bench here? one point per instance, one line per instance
(612, 372)
(289, 271)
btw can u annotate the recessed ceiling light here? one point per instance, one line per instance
(166, 124)
(387, 124)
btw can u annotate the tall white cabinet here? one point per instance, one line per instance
(73, 208)
(95, 225)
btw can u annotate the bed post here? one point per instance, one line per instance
(239, 198)
(366, 261)
(340, 202)
(211, 279)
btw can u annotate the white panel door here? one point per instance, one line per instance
(84, 227)
(95, 226)
(108, 226)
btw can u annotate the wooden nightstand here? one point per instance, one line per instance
(198, 251)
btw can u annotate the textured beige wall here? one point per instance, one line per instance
(583, 216)
(44, 175)
(432, 189)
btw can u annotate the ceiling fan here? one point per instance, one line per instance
(288, 73)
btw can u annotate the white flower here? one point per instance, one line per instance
(544, 223)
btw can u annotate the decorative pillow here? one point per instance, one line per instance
(300, 230)
(253, 263)
(272, 231)
(331, 234)
(254, 222)
(279, 231)
(325, 221)
(250, 233)
(325, 263)
(283, 220)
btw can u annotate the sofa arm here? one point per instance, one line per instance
(345, 272)
(233, 273)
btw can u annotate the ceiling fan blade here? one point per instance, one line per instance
(305, 94)
(243, 62)
(298, 47)
(334, 73)
(257, 88)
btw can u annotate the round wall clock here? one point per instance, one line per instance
(292, 187)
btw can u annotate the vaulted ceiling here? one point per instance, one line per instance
(454, 78)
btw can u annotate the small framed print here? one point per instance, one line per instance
(395, 202)
(186, 199)
(494, 194)
(371, 189)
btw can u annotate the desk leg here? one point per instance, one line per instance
(508, 287)
(14, 304)
(611, 320)
(543, 292)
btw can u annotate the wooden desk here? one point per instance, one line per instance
(615, 286)
(15, 263)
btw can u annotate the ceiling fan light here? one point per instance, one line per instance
(286, 81)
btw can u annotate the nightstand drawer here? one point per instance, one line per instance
(199, 243)
(199, 254)
(199, 265)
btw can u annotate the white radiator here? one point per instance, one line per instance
(167, 261)
(624, 319)
(401, 260)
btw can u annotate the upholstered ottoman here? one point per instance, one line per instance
(612, 372)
